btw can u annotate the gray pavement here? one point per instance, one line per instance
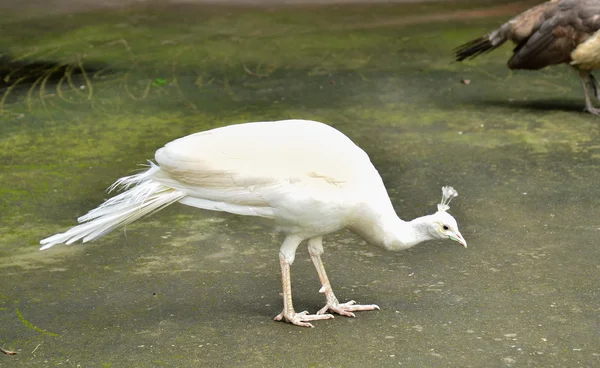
(188, 288)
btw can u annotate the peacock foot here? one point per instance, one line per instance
(592, 110)
(302, 318)
(346, 309)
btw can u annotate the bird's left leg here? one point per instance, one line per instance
(315, 249)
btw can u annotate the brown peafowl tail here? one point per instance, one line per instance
(474, 48)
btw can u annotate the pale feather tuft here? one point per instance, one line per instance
(448, 193)
(143, 196)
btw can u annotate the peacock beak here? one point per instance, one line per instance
(458, 238)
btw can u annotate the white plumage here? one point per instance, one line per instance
(307, 177)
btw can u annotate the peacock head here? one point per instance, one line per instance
(444, 226)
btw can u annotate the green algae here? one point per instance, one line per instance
(32, 326)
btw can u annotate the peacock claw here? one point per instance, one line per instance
(592, 110)
(302, 318)
(346, 309)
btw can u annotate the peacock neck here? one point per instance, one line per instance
(392, 233)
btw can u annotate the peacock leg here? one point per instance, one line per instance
(587, 79)
(594, 84)
(286, 258)
(315, 249)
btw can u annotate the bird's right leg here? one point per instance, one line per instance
(594, 84)
(587, 79)
(287, 254)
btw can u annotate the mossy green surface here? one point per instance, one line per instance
(191, 288)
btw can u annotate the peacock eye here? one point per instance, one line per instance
(446, 227)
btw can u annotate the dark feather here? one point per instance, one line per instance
(473, 48)
(551, 44)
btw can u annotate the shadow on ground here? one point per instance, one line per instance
(191, 288)
(540, 105)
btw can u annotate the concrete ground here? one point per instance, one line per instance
(86, 97)
(43, 8)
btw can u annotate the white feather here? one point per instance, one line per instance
(306, 176)
(144, 198)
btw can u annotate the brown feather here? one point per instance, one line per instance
(546, 34)
(473, 48)
(555, 32)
